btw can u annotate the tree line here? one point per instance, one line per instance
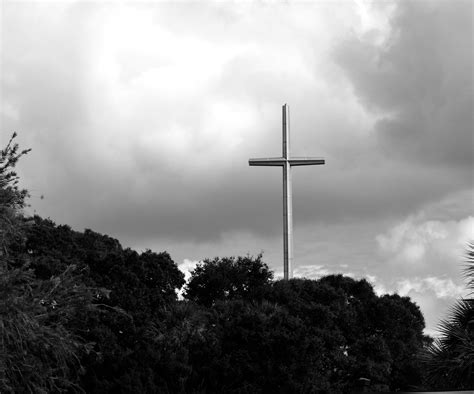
(80, 313)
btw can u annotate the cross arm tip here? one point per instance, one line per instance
(306, 161)
(271, 161)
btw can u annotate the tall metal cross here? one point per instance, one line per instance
(287, 162)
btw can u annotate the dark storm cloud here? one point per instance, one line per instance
(420, 82)
(142, 121)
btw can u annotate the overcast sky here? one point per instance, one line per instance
(142, 117)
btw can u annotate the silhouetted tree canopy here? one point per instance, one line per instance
(367, 336)
(137, 282)
(80, 313)
(133, 289)
(228, 278)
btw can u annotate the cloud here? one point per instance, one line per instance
(435, 296)
(154, 110)
(421, 256)
(142, 117)
(311, 271)
(319, 271)
(379, 287)
(442, 287)
(186, 267)
(419, 245)
(419, 82)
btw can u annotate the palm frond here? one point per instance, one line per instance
(449, 360)
(468, 271)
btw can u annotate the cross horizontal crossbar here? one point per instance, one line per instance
(280, 161)
(305, 161)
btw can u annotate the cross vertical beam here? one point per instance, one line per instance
(287, 198)
(286, 162)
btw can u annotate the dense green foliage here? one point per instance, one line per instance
(80, 313)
